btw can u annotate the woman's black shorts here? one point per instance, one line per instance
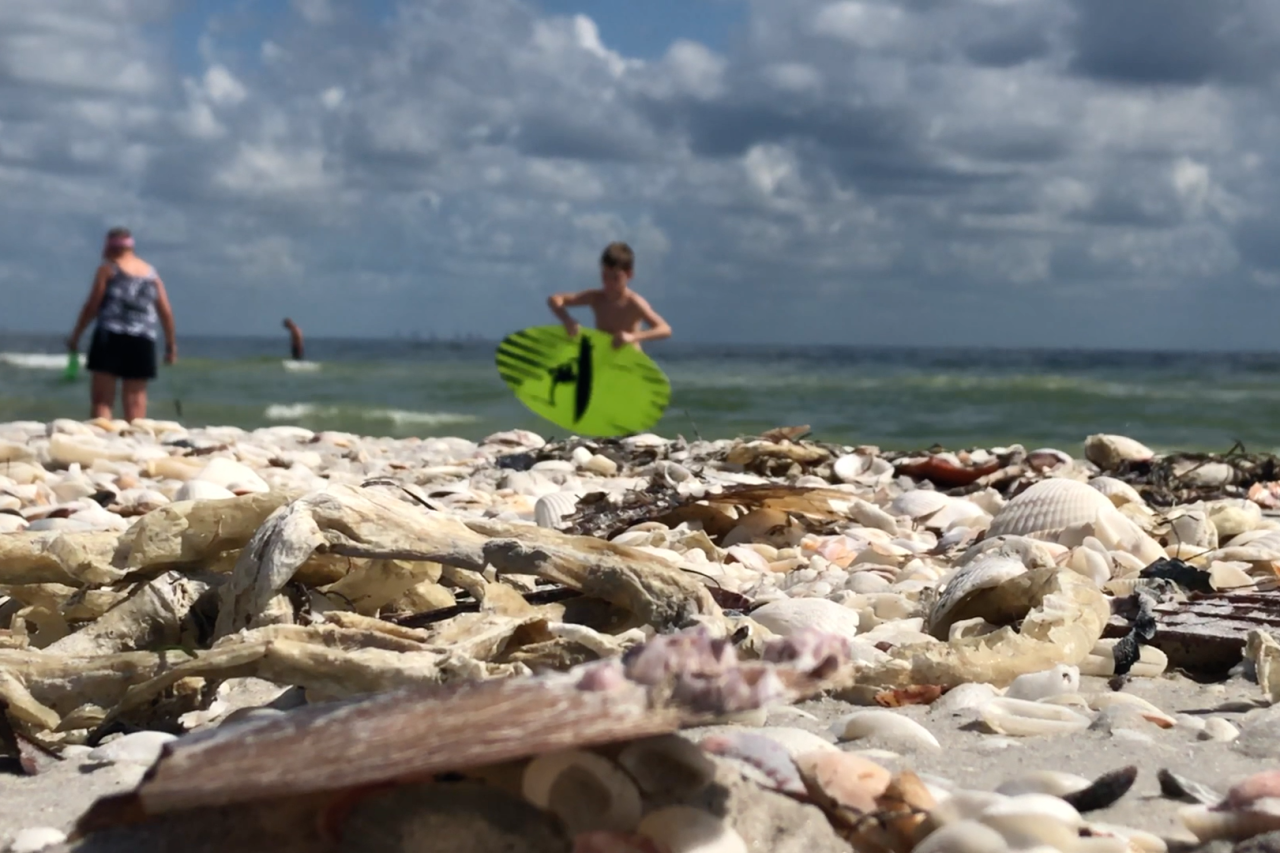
(122, 356)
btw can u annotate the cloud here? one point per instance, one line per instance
(874, 171)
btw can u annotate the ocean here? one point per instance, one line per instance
(902, 398)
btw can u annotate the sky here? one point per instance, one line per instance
(1059, 173)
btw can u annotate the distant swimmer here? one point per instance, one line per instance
(127, 300)
(618, 309)
(295, 338)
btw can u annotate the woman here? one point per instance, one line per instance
(127, 298)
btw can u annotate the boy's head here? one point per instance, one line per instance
(617, 263)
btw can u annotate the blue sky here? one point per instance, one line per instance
(1022, 172)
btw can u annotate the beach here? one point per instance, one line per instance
(950, 619)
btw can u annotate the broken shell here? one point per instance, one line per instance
(585, 790)
(885, 725)
(668, 763)
(1041, 685)
(787, 616)
(683, 829)
(1149, 712)
(1020, 718)
(852, 781)
(552, 508)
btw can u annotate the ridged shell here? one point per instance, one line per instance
(550, 509)
(983, 573)
(789, 615)
(918, 503)
(1049, 507)
(1117, 491)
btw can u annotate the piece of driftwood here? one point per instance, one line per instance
(676, 680)
(1206, 633)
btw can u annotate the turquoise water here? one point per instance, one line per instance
(896, 398)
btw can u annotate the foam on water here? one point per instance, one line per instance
(304, 411)
(301, 366)
(37, 360)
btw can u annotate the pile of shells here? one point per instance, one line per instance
(296, 568)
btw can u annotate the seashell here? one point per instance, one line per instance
(1204, 474)
(1233, 517)
(959, 513)
(1091, 564)
(968, 582)
(1192, 528)
(667, 763)
(1229, 576)
(849, 467)
(1040, 685)
(963, 697)
(919, 503)
(1101, 661)
(796, 741)
(770, 526)
(585, 790)
(1021, 718)
(35, 839)
(136, 748)
(788, 616)
(1067, 700)
(963, 836)
(1047, 459)
(1218, 729)
(1149, 712)
(552, 508)
(885, 725)
(1134, 840)
(1032, 553)
(1049, 782)
(1110, 452)
(232, 475)
(1117, 491)
(684, 829)
(850, 780)
(600, 465)
(1048, 508)
(762, 755)
(1031, 819)
(201, 490)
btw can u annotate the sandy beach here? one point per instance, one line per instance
(161, 581)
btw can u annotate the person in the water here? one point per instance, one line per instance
(127, 299)
(618, 309)
(295, 339)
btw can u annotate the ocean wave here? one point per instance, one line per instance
(37, 360)
(301, 366)
(301, 411)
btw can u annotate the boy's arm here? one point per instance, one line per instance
(658, 327)
(557, 302)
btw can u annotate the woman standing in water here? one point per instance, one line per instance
(127, 299)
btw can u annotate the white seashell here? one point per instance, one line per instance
(35, 839)
(1101, 701)
(601, 465)
(1109, 452)
(12, 523)
(795, 741)
(1031, 819)
(1049, 507)
(201, 490)
(1091, 564)
(1021, 718)
(1049, 782)
(1117, 491)
(886, 725)
(136, 748)
(583, 789)
(667, 763)
(552, 508)
(963, 836)
(963, 697)
(684, 829)
(959, 513)
(1101, 661)
(848, 468)
(1233, 517)
(1048, 459)
(918, 503)
(984, 573)
(1230, 576)
(1040, 685)
(788, 616)
(233, 475)
(580, 456)
(1218, 729)
(1132, 840)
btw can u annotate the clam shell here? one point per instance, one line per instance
(918, 503)
(585, 790)
(1040, 685)
(968, 581)
(552, 508)
(1020, 718)
(885, 725)
(1048, 508)
(848, 468)
(788, 616)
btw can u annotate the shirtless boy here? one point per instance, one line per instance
(618, 309)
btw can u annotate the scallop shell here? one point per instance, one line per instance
(552, 508)
(918, 503)
(1117, 491)
(787, 616)
(585, 790)
(1020, 718)
(1048, 508)
(885, 725)
(684, 829)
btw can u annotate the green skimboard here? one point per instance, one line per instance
(583, 384)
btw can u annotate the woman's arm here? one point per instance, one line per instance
(91, 305)
(166, 322)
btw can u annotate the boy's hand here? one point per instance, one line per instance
(571, 328)
(621, 339)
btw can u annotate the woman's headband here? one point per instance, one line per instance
(119, 242)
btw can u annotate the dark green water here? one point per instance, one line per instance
(899, 398)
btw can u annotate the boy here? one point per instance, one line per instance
(618, 309)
